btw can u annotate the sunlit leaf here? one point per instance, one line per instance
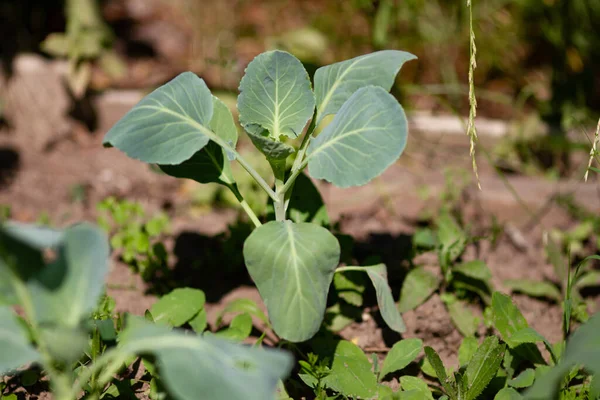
(292, 266)
(366, 136)
(275, 95)
(400, 355)
(335, 83)
(178, 307)
(351, 372)
(418, 285)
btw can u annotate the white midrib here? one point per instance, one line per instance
(327, 98)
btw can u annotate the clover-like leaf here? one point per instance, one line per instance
(292, 266)
(169, 125)
(366, 136)
(275, 95)
(335, 83)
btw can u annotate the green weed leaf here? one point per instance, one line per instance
(212, 163)
(467, 349)
(242, 305)
(351, 372)
(483, 366)
(275, 95)
(524, 379)
(440, 371)
(209, 367)
(534, 288)
(239, 328)
(400, 355)
(366, 136)
(462, 317)
(335, 83)
(418, 285)
(14, 342)
(476, 269)
(178, 307)
(508, 394)
(169, 125)
(583, 348)
(292, 266)
(412, 383)
(199, 322)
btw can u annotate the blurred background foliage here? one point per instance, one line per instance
(536, 57)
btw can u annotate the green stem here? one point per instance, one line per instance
(58, 381)
(279, 202)
(233, 187)
(259, 179)
(113, 358)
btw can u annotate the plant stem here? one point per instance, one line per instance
(233, 187)
(259, 179)
(279, 202)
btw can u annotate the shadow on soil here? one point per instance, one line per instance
(10, 161)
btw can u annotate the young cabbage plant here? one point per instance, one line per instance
(191, 134)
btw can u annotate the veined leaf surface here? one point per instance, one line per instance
(335, 83)
(195, 367)
(275, 95)
(292, 266)
(211, 164)
(169, 125)
(366, 136)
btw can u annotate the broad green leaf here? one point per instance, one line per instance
(211, 163)
(483, 366)
(367, 135)
(239, 329)
(525, 335)
(39, 237)
(451, 237)
(178, 307)
(199, 322)
(292, 266)
(507, 317)
(306, 203)
(385, 301)
(14, 342)
(274, 150)
(508, 320)
(508, 394)
(534, 288)
(590, 278)
(476, 269)
(275, 95)
(335, 83)
(412, 383)
(67, 289)
(467, 349)
(400, 355)
(351, 372)
(418, 285)
(350, 287)
(524, 379)
(440, 371)
(194, 367)
(242, 305)
(462, 317)
(66, 344)
(169, 125)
